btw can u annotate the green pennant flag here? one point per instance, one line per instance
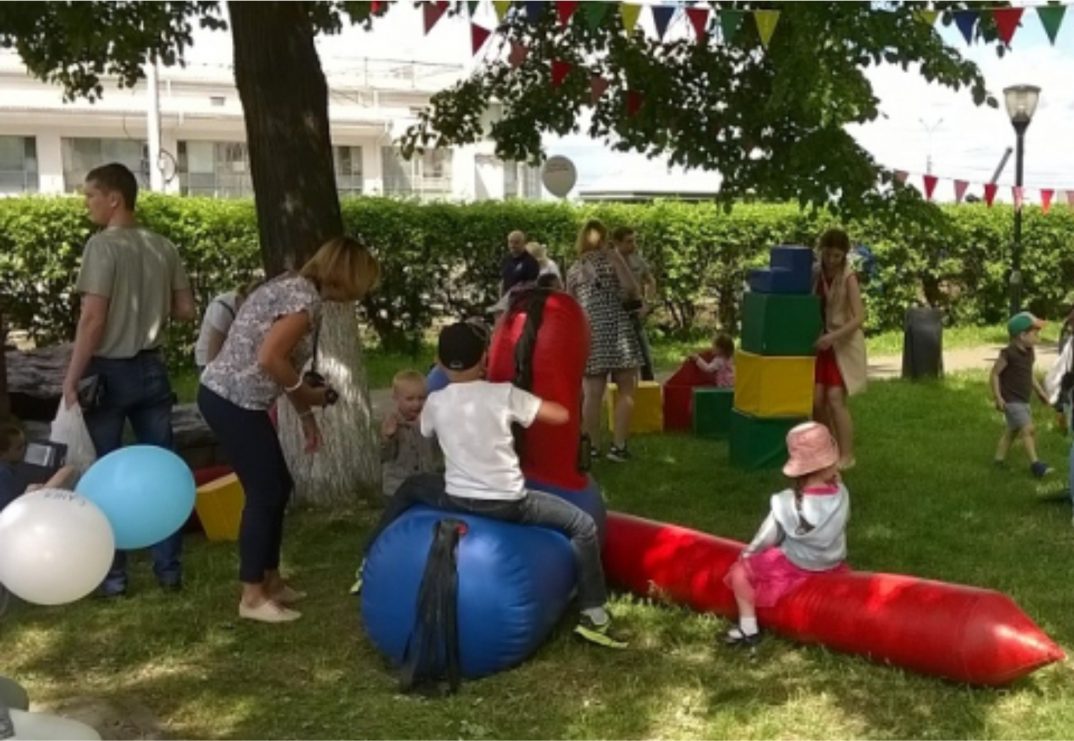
(471, 5)
(927, 16)
(766, 24)
(1051, 17)
(730, 20)
(501, 7)
(595, 12)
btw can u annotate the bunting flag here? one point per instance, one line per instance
(630, 15)
(990, 193)
(966, 20)
(471, 6)
(535, 10)
(900, 176)
(634, 101)
(930, 186)
(766, 24)
(1016, 193)
(730, 20)
(374, 6)
(662, 15)
(595, 12)
(927, 16)
(518, 54)
(560, 70)
(597, 86)
(699, 19)
(1007, 20)
(564, 10)
(960, 190)
(432, 12)
(1046, 199)
(1051, 17)
(501, 7)
(478, 36)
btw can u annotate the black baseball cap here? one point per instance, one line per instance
(461, 346)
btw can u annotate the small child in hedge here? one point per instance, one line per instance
(722, 364)
(1013, 383)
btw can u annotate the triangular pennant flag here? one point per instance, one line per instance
(1046, 199)
(1051, 17)
(433, 12)
(960, 190)
(927, 16)
(966, 20)
(1007, 20)
(564, 10)
(518, 54)
(560, 70)
(597, 86)
(630, 15)
(766, 24)
(730, 20)
(900, 176)
(535, 10)
(634, 99)
(990, 193)
(930, 186)
(471, 6)
(699, 19)
(374, 6)
(501, 7)
(595, 12)
(662, 15)
(1016, 193)
(478, 36)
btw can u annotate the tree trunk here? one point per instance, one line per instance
(5, 400)
(285, 103)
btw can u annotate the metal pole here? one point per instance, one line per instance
(152, 125)
(1016, 248)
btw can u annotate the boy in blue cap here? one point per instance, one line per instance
(1013, 383)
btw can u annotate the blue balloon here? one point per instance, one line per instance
(437, 379)
(146, 492)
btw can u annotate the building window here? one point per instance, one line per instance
(348, 162)
(521, 181)
(510, 180)
(216, 169)
(426, 175)
(18, 164)
(83, 154)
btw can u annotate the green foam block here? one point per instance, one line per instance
(759, 442)
(780, 324)
(712, 411)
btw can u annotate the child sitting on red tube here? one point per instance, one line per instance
(804, 533)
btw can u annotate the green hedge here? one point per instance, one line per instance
(443, 259)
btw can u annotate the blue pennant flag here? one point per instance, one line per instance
(662, 15)
(966, 20)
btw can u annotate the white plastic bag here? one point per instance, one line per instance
(70, 429)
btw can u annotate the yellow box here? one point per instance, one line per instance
(648, 407)
(219, 505)
(773, 386)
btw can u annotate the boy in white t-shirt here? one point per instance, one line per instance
(472, 420)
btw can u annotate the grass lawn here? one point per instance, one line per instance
(926, 501)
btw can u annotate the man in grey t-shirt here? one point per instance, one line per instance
(132, 283)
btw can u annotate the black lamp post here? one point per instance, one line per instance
(1021, 103)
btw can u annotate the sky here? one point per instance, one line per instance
(966, 142)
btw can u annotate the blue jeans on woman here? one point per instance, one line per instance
(136, 389)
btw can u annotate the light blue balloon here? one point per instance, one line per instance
(146, 492)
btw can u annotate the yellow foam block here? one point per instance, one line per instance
(648, 407)
(773, 386)
(219, 504)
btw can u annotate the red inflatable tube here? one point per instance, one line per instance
(550, 453)
(966, 634)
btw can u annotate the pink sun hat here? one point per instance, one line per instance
(811, 448)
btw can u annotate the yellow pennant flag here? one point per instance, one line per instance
(630, 15)
(501, 7)
(927, 16)
(766, 24)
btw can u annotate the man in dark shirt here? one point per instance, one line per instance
(519, 266)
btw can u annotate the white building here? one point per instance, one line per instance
(48, 145)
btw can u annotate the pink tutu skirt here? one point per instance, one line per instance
(772, 575)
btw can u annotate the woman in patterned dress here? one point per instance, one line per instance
(601, 282)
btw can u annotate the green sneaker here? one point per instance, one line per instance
(602, 634)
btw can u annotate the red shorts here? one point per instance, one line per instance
(827, 370)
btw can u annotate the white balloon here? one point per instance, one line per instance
(46, 727)
(55, 547)
(559, 175)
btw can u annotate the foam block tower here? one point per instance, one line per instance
(781, 321)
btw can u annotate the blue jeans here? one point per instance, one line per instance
(135, 389)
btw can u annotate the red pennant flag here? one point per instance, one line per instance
(990, 193)
(900, 176)
(518, 54)
(564, 10)
(1007, 22)
(1016, 193)
(960, 190)
(374, 7)
(930, 185)
(634, 99)
(1046, 199)
(597, 86)
(699, 19)
(560, 70)
(478, 36)
(433, 11)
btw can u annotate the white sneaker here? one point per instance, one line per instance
(268, 612)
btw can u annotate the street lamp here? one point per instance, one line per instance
(929, 130)
(1021, 101)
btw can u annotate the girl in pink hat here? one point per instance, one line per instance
(804, 533)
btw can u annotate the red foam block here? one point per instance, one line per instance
(966, 634)
(679, 393)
